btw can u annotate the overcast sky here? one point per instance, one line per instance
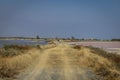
(60, 18)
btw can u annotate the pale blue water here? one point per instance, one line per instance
(21, 42)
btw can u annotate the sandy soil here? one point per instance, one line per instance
(56, 66)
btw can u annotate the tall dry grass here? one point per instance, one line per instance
(84, 57)
(14, 59)
(101, 65)
(78, 55)
(113, 57)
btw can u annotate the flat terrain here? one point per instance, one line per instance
(113, 46)
(54, 64)
(57, 62)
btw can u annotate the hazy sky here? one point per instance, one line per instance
(61, 18)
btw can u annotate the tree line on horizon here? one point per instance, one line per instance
(68, 38)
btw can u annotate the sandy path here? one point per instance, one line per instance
(56, 65)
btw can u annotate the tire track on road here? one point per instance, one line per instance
(56, 64)
(38, 67)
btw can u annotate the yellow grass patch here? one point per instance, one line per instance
(65, 58)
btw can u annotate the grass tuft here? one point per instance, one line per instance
(15, 58)
(113, 57)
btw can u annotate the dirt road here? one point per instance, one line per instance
(54, 64)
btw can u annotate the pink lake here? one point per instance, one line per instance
(108, 46)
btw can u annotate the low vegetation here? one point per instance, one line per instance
(113, 57)
(13, 50)
(14, 59)
(103, 63)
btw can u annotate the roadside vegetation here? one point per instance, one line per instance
(104, 64)
(14, 59)
(113, 57)
(14, 50)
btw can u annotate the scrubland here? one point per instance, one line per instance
(57, 62)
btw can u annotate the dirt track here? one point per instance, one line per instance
(54, 64)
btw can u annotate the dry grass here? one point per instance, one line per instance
(113, 57)
(14, 59)
(85, 57)
(18, 47)
(14, 50)
(79, 56)
(101, 65)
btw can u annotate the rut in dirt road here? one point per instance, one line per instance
(54, 64)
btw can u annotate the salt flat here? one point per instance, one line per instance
(108, 46)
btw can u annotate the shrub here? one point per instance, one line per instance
(18, 47)
(115, 58)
